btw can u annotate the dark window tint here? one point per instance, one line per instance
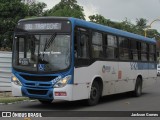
(111, 47)
(97, 49)
(152, 53)
(123, 48)
(134, 49)
(144, 51)
(83, 46)
(81, 43)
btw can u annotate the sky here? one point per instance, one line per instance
(119, 10)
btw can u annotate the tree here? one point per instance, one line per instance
(125, 25)
(11, 11)
(36, 9)
(67, 8)
(98, 19)
(153, 33)
(141, 23)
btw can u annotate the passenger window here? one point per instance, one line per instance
(111, 47)
(152, 55)
(81, 47)
(97, 48)
(123, 48)
(144, 51)
(134, 50)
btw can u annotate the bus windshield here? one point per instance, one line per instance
(41, 52)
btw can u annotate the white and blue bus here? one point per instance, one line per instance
(72, 59)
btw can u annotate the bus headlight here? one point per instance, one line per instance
(62, 82)
(15, 80)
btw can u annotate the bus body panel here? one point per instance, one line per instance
(81, 91)
(125, 82)
(68, 89)
(117, 76)
(16, 90)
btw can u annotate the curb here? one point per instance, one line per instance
(10, 103)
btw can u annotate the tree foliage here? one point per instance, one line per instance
(11, 11)
(36, 9)
(141, 23)
(98, 19)
(67, 8)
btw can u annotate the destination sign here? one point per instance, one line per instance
(43, 26)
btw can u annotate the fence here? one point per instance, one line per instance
(5, 71)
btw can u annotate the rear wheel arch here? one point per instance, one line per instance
(100, 83)
(95, 91)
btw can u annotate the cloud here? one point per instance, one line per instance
(90, 9)
(50, 3)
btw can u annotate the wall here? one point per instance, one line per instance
(5, 71)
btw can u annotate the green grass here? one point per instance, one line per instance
(7, 100)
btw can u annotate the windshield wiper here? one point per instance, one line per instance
(48, 43)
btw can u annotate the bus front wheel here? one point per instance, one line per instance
(94, 94)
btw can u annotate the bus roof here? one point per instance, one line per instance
(111, 30)
(45, 18)
(98, 27)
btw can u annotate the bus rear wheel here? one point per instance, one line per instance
(138, 88)
(94, 94)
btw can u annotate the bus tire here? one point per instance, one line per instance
(138, 88)
(45, 102)
(94, 94)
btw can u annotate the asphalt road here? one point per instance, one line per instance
(149, 101)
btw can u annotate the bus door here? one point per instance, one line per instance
(81, 64)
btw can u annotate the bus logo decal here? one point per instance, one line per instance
(106, 69)
(36, 84)
(134, 66)
(56, 80)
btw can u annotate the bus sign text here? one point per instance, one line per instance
(43, 26)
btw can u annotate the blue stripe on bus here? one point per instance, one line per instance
(143, 66)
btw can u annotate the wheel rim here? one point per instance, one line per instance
(94, 92)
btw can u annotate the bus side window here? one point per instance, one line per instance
(144, 51)
(111, 47)
(81, 45)
(76, 45)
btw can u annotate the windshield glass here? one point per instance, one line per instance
(44, 53)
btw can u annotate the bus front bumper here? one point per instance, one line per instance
(43, 93)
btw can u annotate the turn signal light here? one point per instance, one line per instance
(60, 94)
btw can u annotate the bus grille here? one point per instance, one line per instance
(38, 92)
(38, 78)
(39, 85)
